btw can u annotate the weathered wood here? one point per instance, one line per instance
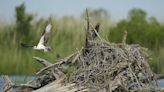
(58, 86)
(8, 84)
(54, 84)
(44, 62)
(62, 61)
(90, 31)
(96, 32)
(124, 37)
(87, 30)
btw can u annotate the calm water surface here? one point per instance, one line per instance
(16, 79)
(24, 79)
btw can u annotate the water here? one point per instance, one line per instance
(16, 79)
(161, 83)
(24, 79)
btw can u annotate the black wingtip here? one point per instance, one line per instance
(23, 45)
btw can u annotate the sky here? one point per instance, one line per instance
(118, 9)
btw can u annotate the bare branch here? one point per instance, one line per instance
(44, 62)
(124, 37)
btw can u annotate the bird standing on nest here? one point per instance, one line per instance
(97, 27)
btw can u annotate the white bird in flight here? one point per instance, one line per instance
(43, 40)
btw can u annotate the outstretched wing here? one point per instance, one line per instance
(45, 35)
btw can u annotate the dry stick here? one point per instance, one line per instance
(25, 86)
(124, 37)
(77, 55)
(84, 90)
(96, 32)
(48, 67)
(134, 76)
(98, 35)
(77, 90)
(64, 87)
(56, 64)
(68, 57)
(88, 22)
(87, 31)
(8, 85)
(58, 73)
(44, 62)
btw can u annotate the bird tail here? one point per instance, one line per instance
(25, 45)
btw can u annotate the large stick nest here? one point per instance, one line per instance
(113, 67)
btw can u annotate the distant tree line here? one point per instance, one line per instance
(142, 30)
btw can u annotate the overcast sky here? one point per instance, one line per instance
(117, 9)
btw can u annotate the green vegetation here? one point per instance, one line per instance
(147, 32)
(68, 33)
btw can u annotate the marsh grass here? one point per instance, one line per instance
(17, 60)
(68, 35)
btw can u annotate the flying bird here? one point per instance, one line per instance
(43, 40)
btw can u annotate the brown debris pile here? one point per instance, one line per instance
(111, 67)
